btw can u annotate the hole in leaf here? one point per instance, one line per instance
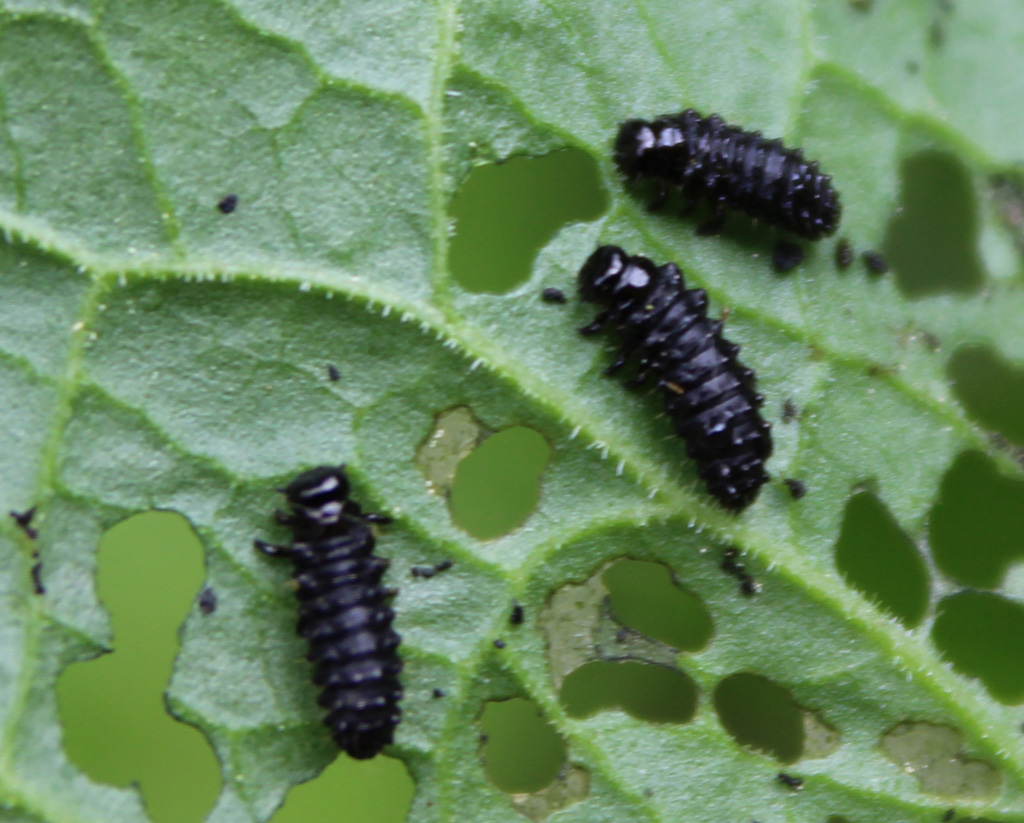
(497, 486)
(1008, 196)
(934, 755)
(370, 791)
(116, 727)
(455, 434)
(571, 785)
(991, 390)
(877, 558)
(982, 635)
(761, 714)
(523, 752)
(581, 628)
(645, 597)
(976, 527)
(508, 211)
(932, 244)
(657, 694)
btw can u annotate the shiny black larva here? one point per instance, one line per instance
(710, 395)
(343, 613)
(706, 157)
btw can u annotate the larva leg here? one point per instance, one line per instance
(271, 549)
(660, 196)
(714, 224)
(597, 325)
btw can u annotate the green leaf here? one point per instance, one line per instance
(155, 353)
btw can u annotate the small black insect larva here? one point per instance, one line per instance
(553, 295)
(333, 373)
(517, 616)
(343, 612)
(704, 156)
(710, 395)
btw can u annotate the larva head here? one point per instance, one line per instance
(611, 275)
(320, 493)
(635, 138)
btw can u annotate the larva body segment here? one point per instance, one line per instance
(343, 611)
(710, 396)
(706, 157)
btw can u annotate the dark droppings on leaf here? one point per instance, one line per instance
(949, 815)
(844, 253)
(789, 411)
(786, 256)
(875, 262)
(796, 784)
(553, 295)
(796, 488)
(931, 340)
(37, 578)
(438, 693)
(24, 521)
(332, 372)
(731, 565)
(207, 601)
(228, 204)
(517, 616)
(427, 572)
(499, 643)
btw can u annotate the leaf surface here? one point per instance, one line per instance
(155, 353)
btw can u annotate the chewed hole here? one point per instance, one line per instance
(976, 527)
(877, 558)
(761, 714)
(378, 790)
(991, 389)
(506, 212)
(497, 486)
(523, 752)
(455, 434)
(645, 597)
(932, 243)
(657, 694)
(982, 635)
(934, 755)
(116, 726)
